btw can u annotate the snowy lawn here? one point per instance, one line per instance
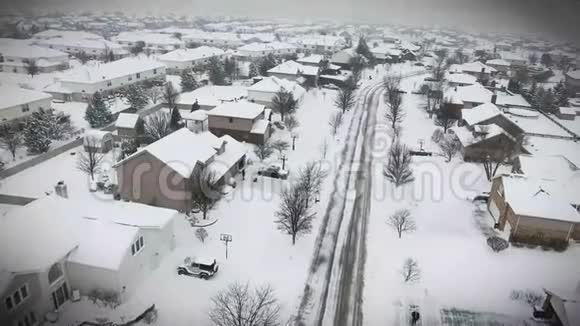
(76, 110)
(458, 269)
(259, 253)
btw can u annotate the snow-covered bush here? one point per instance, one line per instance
(497, 244)
(201, 234)
(437, 135)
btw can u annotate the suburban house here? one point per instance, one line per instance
(467, 97)
(500, 65)
(320, 44)
(75, 42)
(573, 80)
(481, 71)
(257, 50)
(566, 113)
(127, 125)
(265, 90)
(208, 97)
(53, 247)
(460, 79)
(19, 102)
(181, 59)
(17, 56)
(560, 310)
(343, 58)
(486, 132)
(217, 39)
(535, 210)
(81, 83)
(515, 60)
(294, 71)
(244, 121)
(159, 175)
(389, 53)
(154, 42)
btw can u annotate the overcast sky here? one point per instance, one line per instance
(552, 17)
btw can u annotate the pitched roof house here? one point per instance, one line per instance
(265, 90)
(245, 121)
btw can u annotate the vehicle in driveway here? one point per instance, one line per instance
(274, 171)
(203, 268)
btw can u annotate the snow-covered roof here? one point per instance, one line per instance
(201, 52)
(387, 49)
(473, 67)
(93, 251)
(550, 167)
(35, 236)
(120, 68)
(291, 67)
(480, 113)
(567, 110)
(181, 150)
(127, 120)
(533, 197)
(26, 51)
(515, 100)
(260, 47)
(148, 38)
(213, 95)
(274, 84)
(222, 163)
(78, 35)
(260, 127)
(197, 115)
(241, 109)
(13, 96)
(482, 132)
(96, 137)
(319, 40)
(574, 74)
(510, 56)
(498, 62)
(311, 59)
(461, 78)
(475, 93)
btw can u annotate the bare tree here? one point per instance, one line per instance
(294, 216)
(324, 148)
(89, 161)
(392, 84)
(335, 122)
(440, 64)
(398, 167)
(395, 113)
(411, 272)
(533, 58)
(154, 93)
(280, 146)
(505, 151)
(445, 118)
(240, 306)
(157, 125)
(449, 146)
(201, 234)
(170, 97)
(291, 122)
(263, 151)
(11, 138)
(345, 99)
(205, 191)
(402, 222)
(310, 179)
(528, 296)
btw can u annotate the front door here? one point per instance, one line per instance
(60, 296)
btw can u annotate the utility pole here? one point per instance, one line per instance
(226, 238)
(283, 158)
(294, 136)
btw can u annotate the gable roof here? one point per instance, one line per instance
(191, 54)
(127, 120)
(475, 93)
(480, 113)
(274, 84)
(181, 150)
(241, 109)
(13, 96)
(291, 67)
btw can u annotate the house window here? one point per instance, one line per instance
(17, 297)
(231, 120)
(138, 75)
(155, 71)
(130, 78)
(137, 246)
(109, 83)
(25, 108)
(54, 273)
(60, 296)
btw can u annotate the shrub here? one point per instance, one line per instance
(437, 135)
(497, 244)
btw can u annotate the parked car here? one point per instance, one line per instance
(203, 268)
(274, 171)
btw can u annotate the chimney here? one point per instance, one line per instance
(482, 70)
(61, 189)
(494, 98)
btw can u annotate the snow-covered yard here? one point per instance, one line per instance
(458, 269)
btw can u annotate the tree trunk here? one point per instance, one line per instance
(205, 214)
(293, 238)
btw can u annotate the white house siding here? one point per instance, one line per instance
(16, 112)
(88, 278)
(34, 302)
(82, 90)
(260, 97)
